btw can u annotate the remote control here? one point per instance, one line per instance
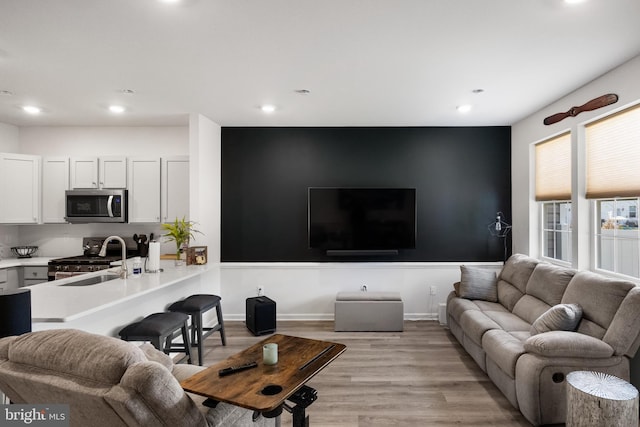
(233, 369)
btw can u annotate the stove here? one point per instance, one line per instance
(61, 268)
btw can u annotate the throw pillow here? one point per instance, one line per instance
(561, 317)
(478, 283)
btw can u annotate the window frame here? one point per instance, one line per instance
(595, 235)
(543, 230)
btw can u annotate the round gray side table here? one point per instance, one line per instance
(598, 399)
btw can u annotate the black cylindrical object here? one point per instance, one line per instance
(15, 312)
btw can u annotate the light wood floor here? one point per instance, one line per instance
(419, 377)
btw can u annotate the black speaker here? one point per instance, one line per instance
(261, 315)
(15, 312)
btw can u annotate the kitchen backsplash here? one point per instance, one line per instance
(63, 240)
(8, 238)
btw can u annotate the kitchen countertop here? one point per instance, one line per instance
(21, 262)
(52, 302)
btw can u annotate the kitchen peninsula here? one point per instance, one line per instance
(104, 308)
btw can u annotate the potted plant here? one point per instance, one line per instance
(180, 231)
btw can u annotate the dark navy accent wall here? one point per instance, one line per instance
(462, 177)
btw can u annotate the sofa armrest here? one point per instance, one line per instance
(567, 344)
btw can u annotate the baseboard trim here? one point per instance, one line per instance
(326, 317)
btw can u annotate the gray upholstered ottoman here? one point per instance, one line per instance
(369, 311)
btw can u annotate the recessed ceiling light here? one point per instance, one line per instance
(116, 109)
(169, 1)
(477, 91)
(268, 108)
(573, 1)
(32, 109)
(6, 93)
(127, 91)
(465, 108)
(302, 91)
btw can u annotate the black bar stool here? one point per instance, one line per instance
(195, 306)
(159, 329)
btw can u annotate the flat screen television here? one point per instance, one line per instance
(362, 219)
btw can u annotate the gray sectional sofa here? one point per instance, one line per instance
(535, 322)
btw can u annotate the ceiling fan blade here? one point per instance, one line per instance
(594, 104)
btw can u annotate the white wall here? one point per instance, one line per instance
(306, 291)
(9, 143)
(105, 141)
(205, 150)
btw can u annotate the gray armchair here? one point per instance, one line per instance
(107, 382)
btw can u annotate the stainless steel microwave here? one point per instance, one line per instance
(86, 206)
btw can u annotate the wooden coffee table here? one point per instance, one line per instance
(265, 388)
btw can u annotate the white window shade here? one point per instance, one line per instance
(553, 169)
(613, 156)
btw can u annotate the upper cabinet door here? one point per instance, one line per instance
(113, 172)
(84, 172)
(55, 181)
(94, 172)
(19, 189)
(175, 188)
(144, 190)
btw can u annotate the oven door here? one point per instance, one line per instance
(87, 206)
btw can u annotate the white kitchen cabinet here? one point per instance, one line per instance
(144, 189)
(175, 188)
(55, 181)
(103, 172)
(32, 275)
(8, 279)
(19, 188)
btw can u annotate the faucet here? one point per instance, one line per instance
(124, 272)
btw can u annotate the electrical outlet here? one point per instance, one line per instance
(260, 290)
(432, 290)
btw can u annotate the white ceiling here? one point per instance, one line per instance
(365, 62)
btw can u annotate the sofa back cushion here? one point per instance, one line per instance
(548, 282)
(623, 333)
(512, 281)
(600, 298)
(77, 353)
(530, 308)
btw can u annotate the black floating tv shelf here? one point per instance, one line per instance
(373, 252)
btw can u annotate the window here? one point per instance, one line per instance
(553, 190)
(613, 180)
(617, 237)
(556, 230)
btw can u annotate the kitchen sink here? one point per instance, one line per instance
(93, 280)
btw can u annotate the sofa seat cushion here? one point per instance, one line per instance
(504, 349)
(567, 344)
(456, 306)
(508, 321)
(475, 324)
